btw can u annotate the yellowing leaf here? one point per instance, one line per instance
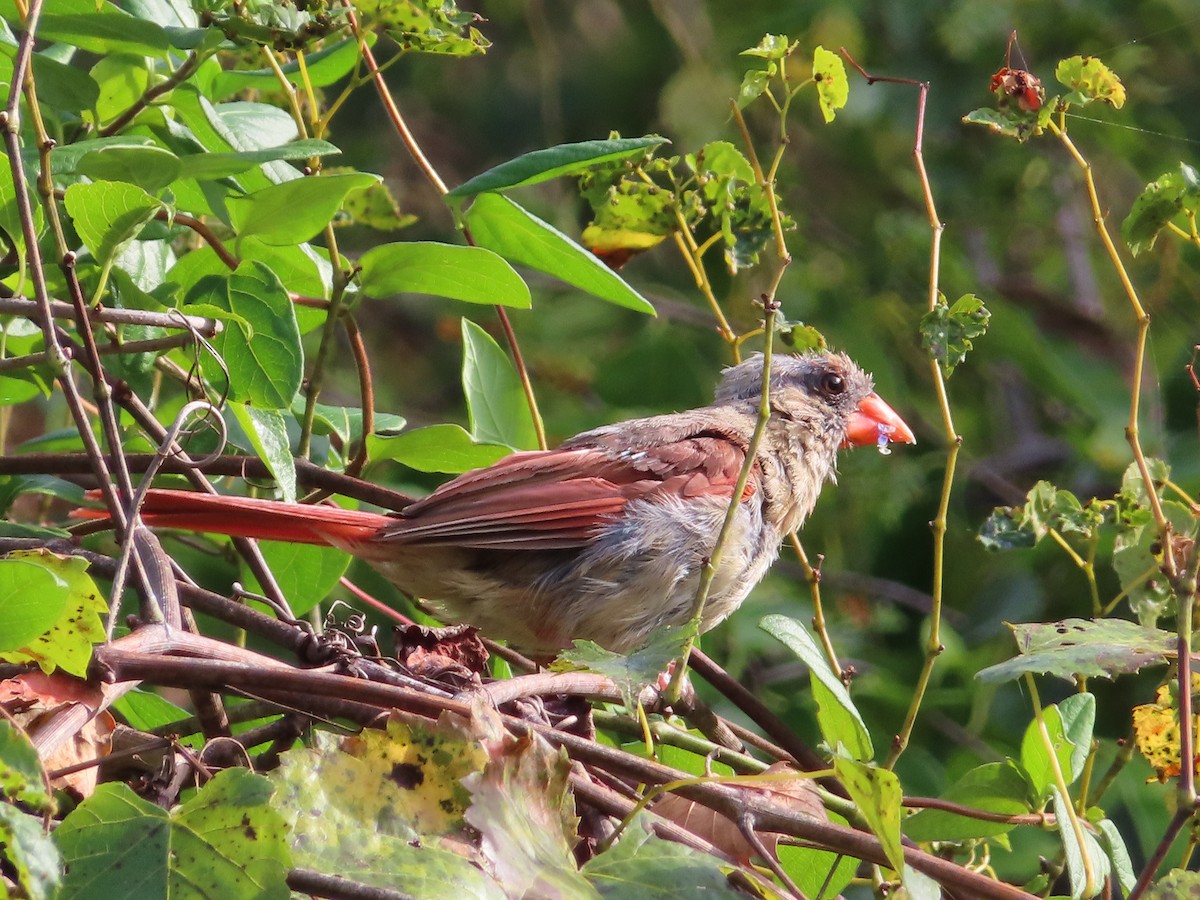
(833, 88)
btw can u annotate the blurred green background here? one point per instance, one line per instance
(1045, 395)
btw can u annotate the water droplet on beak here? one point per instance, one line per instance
(884, 434)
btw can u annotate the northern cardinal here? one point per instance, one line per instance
(604, 538)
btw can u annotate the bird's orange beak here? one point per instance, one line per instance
(874, 422)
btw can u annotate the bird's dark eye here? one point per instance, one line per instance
(832, 384)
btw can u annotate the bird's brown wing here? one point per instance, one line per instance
(557, 499)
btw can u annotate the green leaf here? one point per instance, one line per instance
(1072, 647)
(63, 87)
(772, 46)
(422, 26)
(1175, 885)
(67, 641)
(150, 168)
(1007, 529)
(997, 787)
(305, 573)
(642, 865)
(198, 849)
(554, 162)
(31, 852)
(1069, 725)
(833, 87)
(837, 715)
(1076, 853)
(323, 68)
(947, 332)
(754, 83)
(471, 274)
(1010, 122)
(104, 31)
(295, 211)
(123, 79)
(21, 774)
(816, 870)
(267, 431)
(436, 448)
(1118, 856)
(109, 214)
(496, 405)
(1089, 79)
(347, 421)
(32, 599)
(10, 219)
(876, 795)
(261, 342)
(500, 225)
(212, 166)
(1158, 203)
(632, 671)
(147, 711)
(1079, 719)
(1137, 558)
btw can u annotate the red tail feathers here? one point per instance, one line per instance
(268, 520)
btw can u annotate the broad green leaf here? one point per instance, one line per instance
(993, 787)
(65, 158)
(642, 866)
(948, 332)
(471, 274)
(876, 795)
(105, 30)
(1137, 558)
(63, 87)
(1158, 203)
(198, 849)
(294, 211)
(496, 405)
(30, 852)
(211, 166)
(837, 715)
(147, 711)
(304, 572)
(32, 599)
(108, 214)
(67, 641)
(833, 88)
(1089, 79)
(753, 84)
(499, 224)
(376, 207)
(261, 342)
(123, 79)
(1104, 648)
(267, 431)
(554, 162)
(150, 168)
(1069, 726)
(436, 448)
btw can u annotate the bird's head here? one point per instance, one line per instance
(826, 391)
